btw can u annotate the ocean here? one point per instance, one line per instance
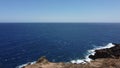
(21, 43)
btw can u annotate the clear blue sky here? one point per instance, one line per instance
(59, 10)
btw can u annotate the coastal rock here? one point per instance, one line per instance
(98, 63)
(113, 52)
(42, 60)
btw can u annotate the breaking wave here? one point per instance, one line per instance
(91, 52)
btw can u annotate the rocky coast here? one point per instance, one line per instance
(103, 58)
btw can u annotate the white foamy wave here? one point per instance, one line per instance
(20, 66)
(91, 52)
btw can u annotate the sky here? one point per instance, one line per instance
(59, 10)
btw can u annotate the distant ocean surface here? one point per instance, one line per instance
(21, 43)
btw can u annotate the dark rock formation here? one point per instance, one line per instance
(113, 52)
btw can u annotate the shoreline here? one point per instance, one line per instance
(79, 63)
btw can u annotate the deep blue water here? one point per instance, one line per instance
(26, 42)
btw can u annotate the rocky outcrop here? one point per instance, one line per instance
(43, 60)
(113, 52)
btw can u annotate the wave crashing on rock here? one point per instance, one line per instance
(92, 52)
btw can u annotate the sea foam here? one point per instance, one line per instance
(20, 66)
(91, 52)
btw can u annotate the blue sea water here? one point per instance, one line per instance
(26, 42)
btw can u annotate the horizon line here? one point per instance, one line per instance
(59, 22)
